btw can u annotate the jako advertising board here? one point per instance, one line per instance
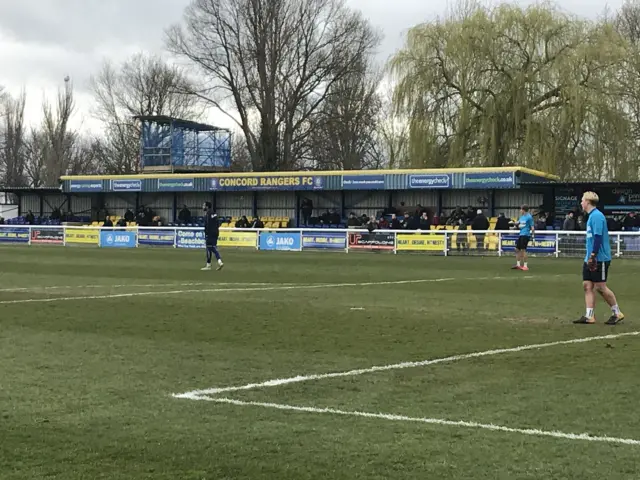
(372, 241)
(542, 243)
(324, 241)
(280, 241)
(14, 235)
(165, 238)
(50, 235)
(429, 243)
(117, 239)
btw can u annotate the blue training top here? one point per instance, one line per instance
(526, 224)
(597, 226)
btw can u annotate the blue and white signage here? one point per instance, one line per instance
(363, 182)
(430, 181)
(117, 239)
(176, 184)
(85, 185)
(164, 238)
(190, 238)
(14, 234)
(489, 180)
(133, 185)
(280, 241)
(324, 241)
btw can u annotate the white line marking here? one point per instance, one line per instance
(133, 285)
(432, 421)
(251, 289)
(396, 366)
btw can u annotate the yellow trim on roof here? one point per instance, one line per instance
(313, 173)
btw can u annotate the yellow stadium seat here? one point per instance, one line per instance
(95, 224)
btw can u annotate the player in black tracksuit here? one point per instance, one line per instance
(211, 233)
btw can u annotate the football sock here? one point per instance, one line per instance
(616, 310)
(589, 313)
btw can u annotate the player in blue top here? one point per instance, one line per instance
(211, 233)
(525, 224)
(595, 269)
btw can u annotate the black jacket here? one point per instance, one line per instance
(211, 225)
(480, 223)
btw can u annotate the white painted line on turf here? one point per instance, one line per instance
(193, 395)
(433, 421)
(135, 285)
(253, 289)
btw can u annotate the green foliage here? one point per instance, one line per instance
(521, 86)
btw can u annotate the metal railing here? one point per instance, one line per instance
(433, 242)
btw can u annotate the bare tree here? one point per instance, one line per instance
(274, 63)
(345, 130)
(143, 85)
(12, 140)
(37, 151)
(60, 139)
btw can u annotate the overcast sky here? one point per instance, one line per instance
(41, 41)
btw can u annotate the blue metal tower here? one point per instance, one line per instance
(172, 145)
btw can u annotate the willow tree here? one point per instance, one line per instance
(513, 86)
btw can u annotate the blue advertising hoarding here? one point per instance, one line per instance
(117, 239)
(541, 243)
(164, 238)
(85, 185)
(442, 180)
(132, 185)
(176, 184)
(190, 238)
(280, 241)
(14, 235)
(324, 241)
(277, 182)
(489, 180)
(363, 182)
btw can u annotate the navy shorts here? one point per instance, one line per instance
(522, 242)
(599, 275)
(212, 242)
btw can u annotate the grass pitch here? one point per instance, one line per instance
(86, 383)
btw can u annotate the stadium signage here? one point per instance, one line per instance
(85, 185)
(489, 180)
(132, 185)
(277, 182)
(83, 235)
(429, 242)
(190, 238)
(176, 184)
(280, 241)
(363, 182)
(14, 235)
(157, 237)
(117, 239)
(541, 243)
(430, 181)
(372, 241)
(195, 239)
(324, 241)
(51, 236)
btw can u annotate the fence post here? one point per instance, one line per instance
(137, 234)
(446, 243)
(395, 243)
(557, 252)
(300, 232)
(618, 247)
(64, 235)
(499, 243)
(30, 227)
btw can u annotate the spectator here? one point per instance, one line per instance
(121, 223)
(108, 222)
(503, 223)
(185, 215)
(1, 221)
(243, 222)
(395, 223)
(629, 222)
(383, 223)
(580, 224)
(30, 218)
(372, 224)
(541, 223)
(480, 223)
(56, 214)
(425, 223)
(129, 216)
(353, 221)
(306, 207)
(569, 224)
(257, 223)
